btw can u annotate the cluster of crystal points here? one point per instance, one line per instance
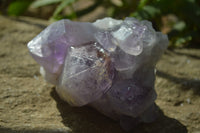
(108, 64)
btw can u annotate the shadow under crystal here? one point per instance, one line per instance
(88, 120)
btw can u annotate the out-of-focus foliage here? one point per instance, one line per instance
(62, 4)
(180, 19)
(18, 7)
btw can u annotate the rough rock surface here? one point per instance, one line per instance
(28, 104)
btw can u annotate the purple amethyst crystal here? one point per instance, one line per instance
(108, 64)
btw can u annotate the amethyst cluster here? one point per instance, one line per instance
(108, 64)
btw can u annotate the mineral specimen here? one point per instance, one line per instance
(108, 64)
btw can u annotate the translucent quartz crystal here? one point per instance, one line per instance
(108, 64)
(87, 74)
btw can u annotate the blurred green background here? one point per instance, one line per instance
(180, 19)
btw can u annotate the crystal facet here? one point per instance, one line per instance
(108, 64)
